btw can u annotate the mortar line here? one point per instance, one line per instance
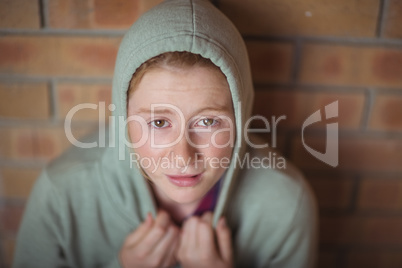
(296, 61)
(382, 10)
(43, 13)
(367, 109)
(34, 79)
(65, 32)
(54, 105)
(358, 41)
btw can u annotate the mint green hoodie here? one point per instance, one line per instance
(87, 201)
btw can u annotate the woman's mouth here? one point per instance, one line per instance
(185, 180)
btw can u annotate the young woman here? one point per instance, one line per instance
(182, 183)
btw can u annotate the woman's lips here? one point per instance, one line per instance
(186, 180)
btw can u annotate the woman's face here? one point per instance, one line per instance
(183, 130)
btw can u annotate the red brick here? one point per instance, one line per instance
(39, 143)
(332, 193)
(17, 143)
(303, 17)
(58, 55)
(380, 194)
(17, 183)
(11, 217)
(299, 105)
(19, 14)
(386, 113)
(355, 154)
(270, 61)
(393, 20)
(351, 65)
(26, 101)
(375, 259)
(50, 142)
(70, 95)
(361, 231)
(8, 250)
(97, 14)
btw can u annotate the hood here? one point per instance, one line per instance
(198, 27)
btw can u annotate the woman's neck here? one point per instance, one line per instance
(178, 212)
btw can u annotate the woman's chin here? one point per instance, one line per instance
(188, 198)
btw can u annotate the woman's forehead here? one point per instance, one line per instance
(196, 81)
(197, 88)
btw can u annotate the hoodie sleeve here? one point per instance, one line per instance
(40, 234)
(274, 219)
(44, 231)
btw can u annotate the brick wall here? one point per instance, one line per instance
(304, 54)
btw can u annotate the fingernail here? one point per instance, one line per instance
(149, 218)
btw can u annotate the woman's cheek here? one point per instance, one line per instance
(138, 133)
(223, 139)
(218, 154)
(222, 148)
(148, 158)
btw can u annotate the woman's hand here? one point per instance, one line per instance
(197, 243)
(152, 244)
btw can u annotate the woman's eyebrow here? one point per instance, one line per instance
(155, 111)
(218, 109)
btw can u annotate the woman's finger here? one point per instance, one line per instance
(224, 240)
(139, 233)
(156, 233)
(207, 217)
(166, 241)
(206, 240)
(190, 227)
(161, 252)
(170, 254)
(188, 239)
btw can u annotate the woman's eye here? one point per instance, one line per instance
(207, 122)
(160, 123)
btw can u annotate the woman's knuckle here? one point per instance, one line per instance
(194, 219)
(140, 256)
(204, 256)
(159, 231)
(204, 227)
(156, 261)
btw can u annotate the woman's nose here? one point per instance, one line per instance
(185, 152)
